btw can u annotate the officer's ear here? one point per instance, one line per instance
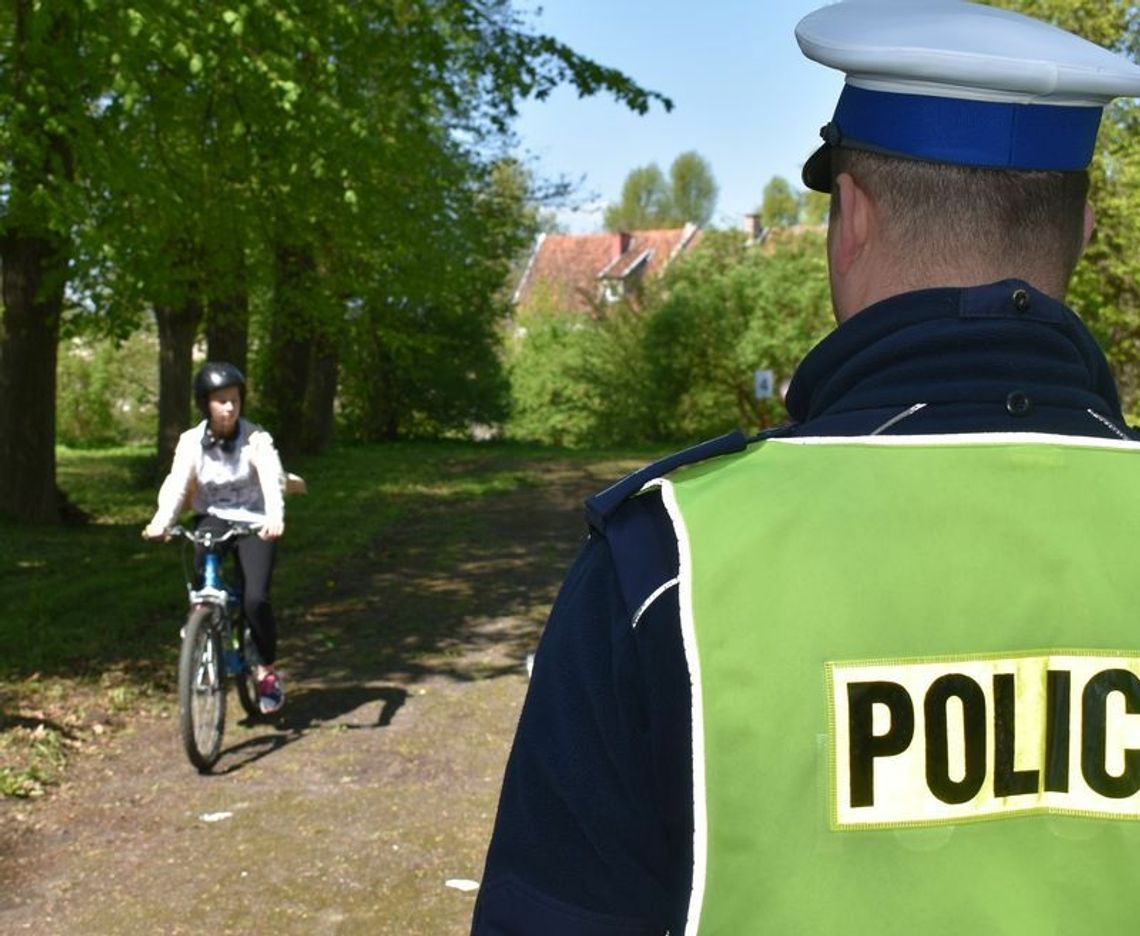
(1089, 226)
(853, 221)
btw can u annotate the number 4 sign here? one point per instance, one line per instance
(765, 384)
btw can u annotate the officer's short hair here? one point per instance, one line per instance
(942, 213)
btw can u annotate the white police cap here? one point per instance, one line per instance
(957, 82)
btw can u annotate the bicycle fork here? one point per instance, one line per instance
(207, 676)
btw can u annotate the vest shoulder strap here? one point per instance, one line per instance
(601, 507)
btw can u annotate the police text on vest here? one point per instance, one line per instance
(930, 742)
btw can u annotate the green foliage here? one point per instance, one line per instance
(580, 381)
(329, 163)
(644, 201)
(814, 207)
(680, 366)
(48, 79)
(41, 759)
(693, 189)
(107, 391)
(423, 354)
(420, 370)
(552, 393)
(780, 206)
(728, 311)
(1108, 23)
(649, 201)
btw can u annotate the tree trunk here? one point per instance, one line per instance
(227, 331)
(286, 383)
(381, 422)
(287, 378)
(41, 61)
(177, 328)
(318, 415)
(227, 315)
(32, 283)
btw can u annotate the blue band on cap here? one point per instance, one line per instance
(970, 133)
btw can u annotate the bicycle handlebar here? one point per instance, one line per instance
(209, 539)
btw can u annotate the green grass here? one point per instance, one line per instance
(89, 615)
(82, 600)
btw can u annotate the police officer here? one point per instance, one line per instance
(879, 671)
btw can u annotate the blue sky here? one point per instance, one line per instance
(744, 97)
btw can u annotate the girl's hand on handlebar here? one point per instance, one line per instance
(271, 530)
(156, 532)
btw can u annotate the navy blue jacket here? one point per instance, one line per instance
(594, 829)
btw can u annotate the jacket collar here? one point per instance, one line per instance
(953, 345)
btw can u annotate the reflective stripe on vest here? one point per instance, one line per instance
(916, 684)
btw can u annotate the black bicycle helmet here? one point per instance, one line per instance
(216, 375)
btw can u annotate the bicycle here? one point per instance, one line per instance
(216, 641)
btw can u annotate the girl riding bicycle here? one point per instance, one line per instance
(229, 470)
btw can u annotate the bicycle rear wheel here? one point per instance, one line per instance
(202, 687)
(246, 679)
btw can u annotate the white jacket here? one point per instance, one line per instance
(244, 484)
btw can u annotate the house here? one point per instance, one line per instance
(582, 272)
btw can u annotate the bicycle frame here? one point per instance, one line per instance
(213, 589)
(215, 592)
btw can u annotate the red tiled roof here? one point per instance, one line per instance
(568, 269)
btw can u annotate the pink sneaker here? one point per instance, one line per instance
(270, 693)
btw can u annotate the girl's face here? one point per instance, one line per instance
(225, 408)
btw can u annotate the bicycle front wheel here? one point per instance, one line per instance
(202, 687)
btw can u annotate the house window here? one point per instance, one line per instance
(612, 290)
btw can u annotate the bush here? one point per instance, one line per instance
(107, 391)
(582, 381)
(552, 395)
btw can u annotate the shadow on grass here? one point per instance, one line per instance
(458, 589)
(34, 723)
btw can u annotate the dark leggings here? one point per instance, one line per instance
(255, 565)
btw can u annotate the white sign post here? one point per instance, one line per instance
(765, 384)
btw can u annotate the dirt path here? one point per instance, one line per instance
(375, 787)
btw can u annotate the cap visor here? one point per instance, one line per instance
(817, 170)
